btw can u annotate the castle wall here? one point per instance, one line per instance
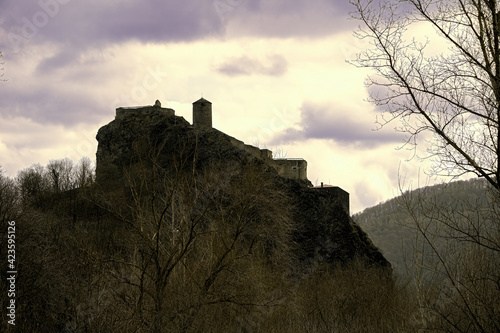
(289, 168)
(143, 111)
(336, 195)
(266, 153)
(257, 152)
(294, 168)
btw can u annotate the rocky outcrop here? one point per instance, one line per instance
(153, 137)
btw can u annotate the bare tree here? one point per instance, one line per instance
(9, 199)
(32, 183)
(447, 85)
(60, 174)
(204, 244)
(454, 93)
(83, 173)
(455, 261)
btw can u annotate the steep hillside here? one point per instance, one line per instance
(153, 142)
(391, 227)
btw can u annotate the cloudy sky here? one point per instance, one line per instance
(275, 71)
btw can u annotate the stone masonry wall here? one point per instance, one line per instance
(294, 168)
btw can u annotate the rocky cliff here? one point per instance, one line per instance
(140, 140)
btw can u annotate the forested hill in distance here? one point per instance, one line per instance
(390, 225)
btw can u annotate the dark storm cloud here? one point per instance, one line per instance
(69, 30)
(93, 23)
(275, 65)
(329, 123)
(82, 24)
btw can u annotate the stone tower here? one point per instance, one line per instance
(202, 114)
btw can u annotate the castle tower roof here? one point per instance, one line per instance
(202, 100)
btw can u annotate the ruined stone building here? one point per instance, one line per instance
(292, 168)
(146, 138)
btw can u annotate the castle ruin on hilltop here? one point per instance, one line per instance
(291, 168)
